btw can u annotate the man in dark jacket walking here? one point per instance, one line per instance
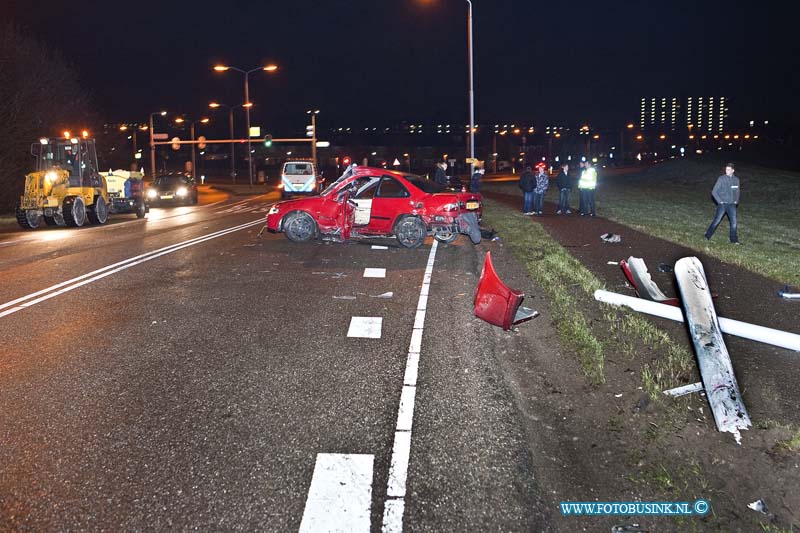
(563, 182)
(726, 194)
(527, 182)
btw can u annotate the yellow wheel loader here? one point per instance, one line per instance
(66, 188)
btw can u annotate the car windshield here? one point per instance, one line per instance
(297, 169)
(168, 180)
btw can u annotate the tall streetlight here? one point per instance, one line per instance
(247, 105)
(471, 89)
(153, 145)
(314, 113)
(471, 92)
(181, 120)
(215, 105)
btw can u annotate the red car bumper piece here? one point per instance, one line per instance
(496, 303)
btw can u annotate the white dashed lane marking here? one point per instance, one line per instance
(340, 495)
(365, 327)
(376, 247)
(374, 272)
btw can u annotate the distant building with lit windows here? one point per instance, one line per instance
(696, 113)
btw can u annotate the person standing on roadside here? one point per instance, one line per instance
(440, 173)
(527, 182)
(475, 179)
(542, 183)
(563, 182)
(726, 194)
(586, 186)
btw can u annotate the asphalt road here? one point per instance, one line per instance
(180, 373)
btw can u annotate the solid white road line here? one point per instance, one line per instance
(374, 272)
(340, 495)
(69, 285)
(394, 506)
(365, 327)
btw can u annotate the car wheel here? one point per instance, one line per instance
(410, 232)
(445, 236)
(74, 211)
(141, 209)
(194, 199)
(299, 227)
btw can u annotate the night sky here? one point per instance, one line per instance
(378, 62)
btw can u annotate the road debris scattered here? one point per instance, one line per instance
(344, 297)
(663, 267)
(384, 295)
(611, 238)
(759, 506)
(497, 303)
(685, 389)
(787, 294)
(635, 271)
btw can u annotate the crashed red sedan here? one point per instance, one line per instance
(375, 202)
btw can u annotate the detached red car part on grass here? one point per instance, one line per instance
(375, 202)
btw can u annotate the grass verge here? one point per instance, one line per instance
(672, 201)
(568, 285)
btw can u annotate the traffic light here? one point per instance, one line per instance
(268, 141)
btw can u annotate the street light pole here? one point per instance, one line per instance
(313, 113)
(471, 93)
(247, 105)
(233, 154)
(247, 119)
(194, 162)
(214, 105)
(153, 145)
(152, 151)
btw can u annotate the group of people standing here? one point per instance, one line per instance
(534, 187)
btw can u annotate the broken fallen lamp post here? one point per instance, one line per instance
(706, 331)
(716, 369)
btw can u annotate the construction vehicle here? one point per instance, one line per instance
(65, 189)
(126, 190)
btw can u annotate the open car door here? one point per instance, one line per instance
(363, 200)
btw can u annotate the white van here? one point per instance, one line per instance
(298, 177)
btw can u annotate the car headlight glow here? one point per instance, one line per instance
(182, 191)
(151, 193)
(273, 210)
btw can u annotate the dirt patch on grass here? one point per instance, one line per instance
(609, 441)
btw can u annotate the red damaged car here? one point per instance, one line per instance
(375, 202)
